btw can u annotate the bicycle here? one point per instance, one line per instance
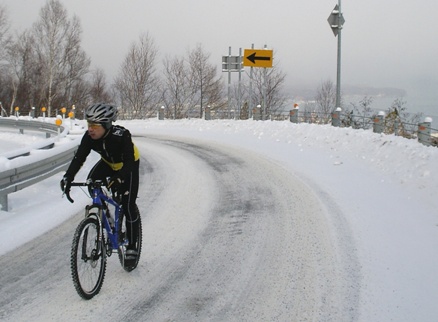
(97, 237)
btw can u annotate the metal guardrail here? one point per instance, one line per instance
(24, 176)
(22, 125)
(16, 179)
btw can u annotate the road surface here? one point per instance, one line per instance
(229, 235)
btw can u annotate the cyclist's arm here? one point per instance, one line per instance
(128, 154)
(80, 157)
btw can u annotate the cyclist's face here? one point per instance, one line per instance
(95, 130)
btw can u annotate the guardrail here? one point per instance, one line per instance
(38, 169)
(22, 125)
(16, 179)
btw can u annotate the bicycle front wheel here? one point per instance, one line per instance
(88, 260)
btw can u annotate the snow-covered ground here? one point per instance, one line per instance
(385, 187)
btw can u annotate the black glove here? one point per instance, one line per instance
(66, 184)
(114, 182)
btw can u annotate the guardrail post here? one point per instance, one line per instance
(256, 113)
(396, 127)
(294, 115)
(336, 117)
(207, 113)
(379, 123)
(424, 131)
(4, 202)
(161, 113)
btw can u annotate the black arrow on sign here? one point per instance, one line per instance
(252, 58)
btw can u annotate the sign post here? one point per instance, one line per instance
(336, 21)
(259, 58)
(232, 64)
(58, 122)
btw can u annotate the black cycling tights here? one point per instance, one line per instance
(129, 191)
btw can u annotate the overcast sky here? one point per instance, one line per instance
(389, 43)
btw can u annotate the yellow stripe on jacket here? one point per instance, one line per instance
(117, 166)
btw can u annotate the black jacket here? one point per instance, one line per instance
(115, 147)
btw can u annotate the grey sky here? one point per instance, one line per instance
(389, 43)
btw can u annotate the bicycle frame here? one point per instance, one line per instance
(100, 202)
(91, 246)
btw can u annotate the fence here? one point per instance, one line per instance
(379, 123)
(422, 131)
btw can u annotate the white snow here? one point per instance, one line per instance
(385, 187)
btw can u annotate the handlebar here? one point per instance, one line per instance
(88, 183)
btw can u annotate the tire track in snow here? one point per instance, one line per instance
(229, 236)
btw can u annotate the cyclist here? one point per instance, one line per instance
(119, 161)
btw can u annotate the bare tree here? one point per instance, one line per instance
(60, 56)
(23, 70)
(206, 85)
(177, 92)
(76, 65)
(99, 91)
(360, 114)
(4, 32)
(137, 85)
(326, 99)
(399, 121)
(267, 87)
(4, 40)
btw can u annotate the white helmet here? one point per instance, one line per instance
(101, 113)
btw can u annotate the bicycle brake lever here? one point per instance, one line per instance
(67, 194)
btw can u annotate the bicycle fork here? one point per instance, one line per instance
(96, 251)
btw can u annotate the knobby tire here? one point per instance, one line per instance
(88, 259)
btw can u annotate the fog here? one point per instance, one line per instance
(388, 44)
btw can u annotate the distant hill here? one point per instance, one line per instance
(307, 93)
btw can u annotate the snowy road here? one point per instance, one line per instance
(229, 235)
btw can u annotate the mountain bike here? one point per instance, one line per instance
(97, 237)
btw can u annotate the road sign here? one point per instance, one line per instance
(257, 58)
(336, 20)
(231, 63)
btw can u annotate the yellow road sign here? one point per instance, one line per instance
(257, 58)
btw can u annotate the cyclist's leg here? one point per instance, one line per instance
(100, 171)
(129, 193)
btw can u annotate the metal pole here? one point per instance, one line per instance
(264, 91)
(250, 87)
(239, 100)
(229, 82)
(338, 76)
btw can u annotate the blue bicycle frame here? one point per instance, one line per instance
(100, 202)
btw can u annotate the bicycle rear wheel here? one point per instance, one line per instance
(88, 260)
